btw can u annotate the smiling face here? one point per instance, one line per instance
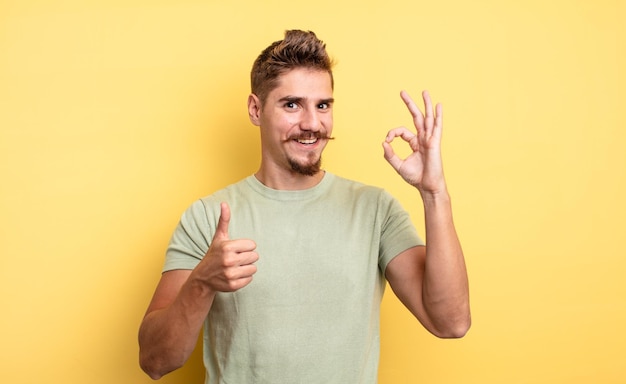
(296, 122)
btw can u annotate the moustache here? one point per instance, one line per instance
(309, 136)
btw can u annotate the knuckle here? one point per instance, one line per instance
(229, 274)
(227, 247)
(228, 261)
(233, 285)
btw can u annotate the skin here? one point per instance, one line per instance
(295, 122)
(300, 107)
(430, 281)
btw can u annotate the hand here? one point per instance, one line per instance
(228, 264)
(423, 167)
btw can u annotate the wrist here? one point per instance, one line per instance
(435, 198)
(200, 287)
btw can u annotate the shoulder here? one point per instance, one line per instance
(353, 186)
(211, 202)
(359, 191)
(205, 211)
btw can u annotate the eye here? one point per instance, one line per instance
(323, 106)
(291, 105)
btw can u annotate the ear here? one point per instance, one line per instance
(254, 109)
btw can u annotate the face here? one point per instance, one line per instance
(295, 120)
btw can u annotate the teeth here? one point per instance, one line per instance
(307, 141)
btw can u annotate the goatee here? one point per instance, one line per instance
(306, 169)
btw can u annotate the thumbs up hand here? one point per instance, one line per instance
(228, 264)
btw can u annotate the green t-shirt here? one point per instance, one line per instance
(311, 312)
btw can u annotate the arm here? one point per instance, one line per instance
(183, 298)
(172, 323)
(430, 281)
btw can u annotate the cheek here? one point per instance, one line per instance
(327, 121)
(277, 124)
(281, 120)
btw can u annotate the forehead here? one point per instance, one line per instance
(303, 82)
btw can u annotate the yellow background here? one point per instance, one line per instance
(116, 115)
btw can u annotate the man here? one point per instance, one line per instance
(286, 268)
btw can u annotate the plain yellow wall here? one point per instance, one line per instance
(116, 115)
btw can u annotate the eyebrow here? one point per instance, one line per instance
(299, 99)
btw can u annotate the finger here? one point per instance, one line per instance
(239, 277)
(418, 117)
(428, 105)
(438, 120)
(402, 132)
(247, 270)
(238, 246)
(240, 272)
(221, 232)
(429, 119)
(391, 156)
(247, 258)
(237, 284)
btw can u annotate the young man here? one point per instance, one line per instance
(286, 268)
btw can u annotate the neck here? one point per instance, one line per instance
(288, 180)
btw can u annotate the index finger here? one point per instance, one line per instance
(402, 132)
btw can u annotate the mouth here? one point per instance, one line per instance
(309, 139)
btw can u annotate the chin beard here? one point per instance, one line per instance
(306, 169)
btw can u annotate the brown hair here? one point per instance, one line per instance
(299, 49)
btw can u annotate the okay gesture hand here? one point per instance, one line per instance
(423, 167)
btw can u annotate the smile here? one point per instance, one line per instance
(310, 141)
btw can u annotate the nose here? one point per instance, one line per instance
(310, 120)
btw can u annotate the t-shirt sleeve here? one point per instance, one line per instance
(191, 238)
(398, 232)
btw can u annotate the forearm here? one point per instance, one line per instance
(445, 285)
(168, 335)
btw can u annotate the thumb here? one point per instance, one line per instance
(221, 232)
(391, 156)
